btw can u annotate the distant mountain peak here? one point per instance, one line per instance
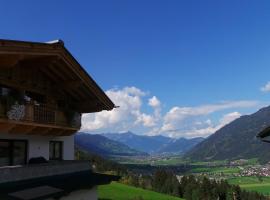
(101, 145)
(153, 144)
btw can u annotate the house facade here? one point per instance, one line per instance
(43, 93)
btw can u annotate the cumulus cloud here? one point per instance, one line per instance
(178, 116)
(226, 119)
(154, 102)
(202, 129)
(176, 122)
(266, 87)
(146, 120)
(183, 112)
(191, 121)
(156, 105)
(128, 115)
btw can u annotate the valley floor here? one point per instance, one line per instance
(117, 191)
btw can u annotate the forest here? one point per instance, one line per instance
(163, 180)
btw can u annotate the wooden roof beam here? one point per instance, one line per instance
(9, 61)
(68, 132)
(6, 127)
(22, 129)
(72, 83)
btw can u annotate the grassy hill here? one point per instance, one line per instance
(117, 191)
(149, 144)
(103, 146)
(261, 185)
(154, 144)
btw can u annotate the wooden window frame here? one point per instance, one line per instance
(61, 150)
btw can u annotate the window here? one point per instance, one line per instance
(56, 150)
(13, 152)
(19, 152)
(4, 91)
(4, 153)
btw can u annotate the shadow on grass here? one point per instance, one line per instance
(104, 199)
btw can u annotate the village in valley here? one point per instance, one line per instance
(135, 100)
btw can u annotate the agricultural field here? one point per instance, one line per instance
(258, 184)
(169, 161)
(224, 170)
(211, 163)
(175, 160)
(151, 160)
(117, 191)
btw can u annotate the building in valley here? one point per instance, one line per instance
(43, 93)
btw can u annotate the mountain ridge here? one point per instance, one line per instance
(236, 140)
(95, 143)
(154, 144)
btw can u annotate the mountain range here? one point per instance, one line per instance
(154, 144)
(236, 140)
(180, 145)
(103, 146)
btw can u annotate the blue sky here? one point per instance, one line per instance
(188, 54)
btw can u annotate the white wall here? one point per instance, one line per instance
(90, 194)
(39, 145)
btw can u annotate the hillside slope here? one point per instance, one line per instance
(118, 191)
(149, 144)
(103, 146)
(236, 140)
(180, 145)
(154, 144)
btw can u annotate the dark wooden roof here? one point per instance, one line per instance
(57, 63)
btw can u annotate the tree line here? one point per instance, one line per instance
(189, 187)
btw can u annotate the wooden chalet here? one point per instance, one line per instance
(43, 93)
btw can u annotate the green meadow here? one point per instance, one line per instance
(225, 170)
(170, 161)
(261, 185)
(118, 191)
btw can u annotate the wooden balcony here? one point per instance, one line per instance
(50, 180)
(37, 120)
(19, 173)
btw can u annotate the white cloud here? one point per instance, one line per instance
(154, 102)
(226, 119)
(207, 127)
(127, 116)
(156, 105)
(134, 91)
(179, 115)
(183, 112)
(177, 122)
(146, 120)
(266, 87)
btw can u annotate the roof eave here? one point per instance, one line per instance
(106, 102)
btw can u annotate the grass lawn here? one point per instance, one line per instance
(225, 170)
(170, 161)
(117, 191)
(253, 184)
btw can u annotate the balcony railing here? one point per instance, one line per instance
(18, 173)
(41, 114)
